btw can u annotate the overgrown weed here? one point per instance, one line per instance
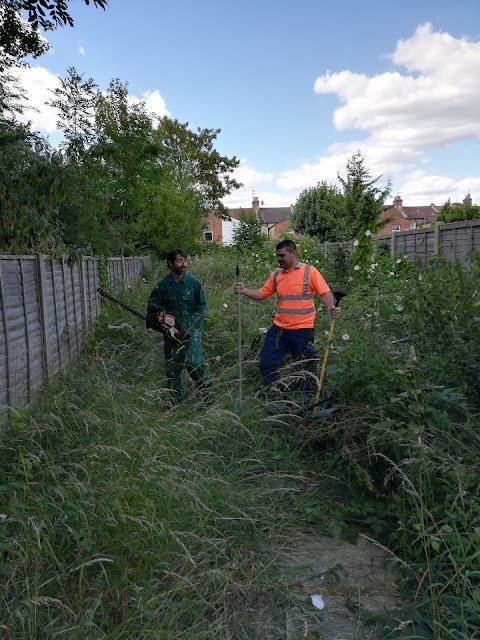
(125, 518)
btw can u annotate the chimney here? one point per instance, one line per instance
(255, 203)
(397, 202)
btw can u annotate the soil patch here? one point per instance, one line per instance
(356, 582)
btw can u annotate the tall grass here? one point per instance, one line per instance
(124, 518)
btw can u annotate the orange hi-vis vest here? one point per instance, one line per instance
(295, 291)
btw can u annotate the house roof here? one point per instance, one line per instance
(273, 215)
(426, 213)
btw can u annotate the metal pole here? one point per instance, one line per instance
(239, 334)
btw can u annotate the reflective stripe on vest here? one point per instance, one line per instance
(303, 296)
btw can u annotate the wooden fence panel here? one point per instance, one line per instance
(21, 348)
(46, 305)
(115, 273)
(91, 282)
(453, 241)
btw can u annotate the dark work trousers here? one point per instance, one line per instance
(174, 365)
(279, 342)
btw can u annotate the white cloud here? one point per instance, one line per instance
(435, 103)
(81, 51)
(404, 115)
(154, 103)
(422, 188)
(252, 181)
(39, 83)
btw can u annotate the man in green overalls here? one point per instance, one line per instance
(181, 296)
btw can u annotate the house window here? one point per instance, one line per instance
(413, 225)
(208, 235)
(395, 227)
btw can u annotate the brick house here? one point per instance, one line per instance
(401, 218)
(212, 231)
(273, 220)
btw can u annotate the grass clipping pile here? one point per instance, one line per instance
(356, 585)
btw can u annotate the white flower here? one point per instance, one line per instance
(420, 277)
(355, 243)
(345, 337)
(225, 305)
(263, 330)
(391, 273)
(218, 358)
(357, 267)
(399, 260)
(325, 333)
(399, 307)
(368, 233)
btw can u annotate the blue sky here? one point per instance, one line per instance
(295, 87)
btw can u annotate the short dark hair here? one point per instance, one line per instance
(174, 253)
(289, 245)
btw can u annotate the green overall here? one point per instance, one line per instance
(186, 301)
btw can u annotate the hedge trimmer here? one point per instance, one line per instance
(158, 320)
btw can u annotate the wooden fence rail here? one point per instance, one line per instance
(452, 241)
(46, 306)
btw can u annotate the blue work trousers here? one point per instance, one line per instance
(279, 342)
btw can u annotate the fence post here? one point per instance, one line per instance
(393, 244)
(83, 294)
(123, 273)
(436, 246)
(6, 334)
(42, 310)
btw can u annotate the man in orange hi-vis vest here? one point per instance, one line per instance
(295, 284)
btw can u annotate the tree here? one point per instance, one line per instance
(363, 206)
(75, 100)
(27, 211)
(248, 233)
(47, 15)
(193, 158)
(363, 200)
(169, 217)
(129, 156)
(19, 39)
(318, 212)
(459, 212)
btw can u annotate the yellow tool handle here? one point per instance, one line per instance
(325, 358)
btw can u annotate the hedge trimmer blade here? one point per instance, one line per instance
(162, 324)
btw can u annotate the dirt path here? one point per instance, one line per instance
(355, 582)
